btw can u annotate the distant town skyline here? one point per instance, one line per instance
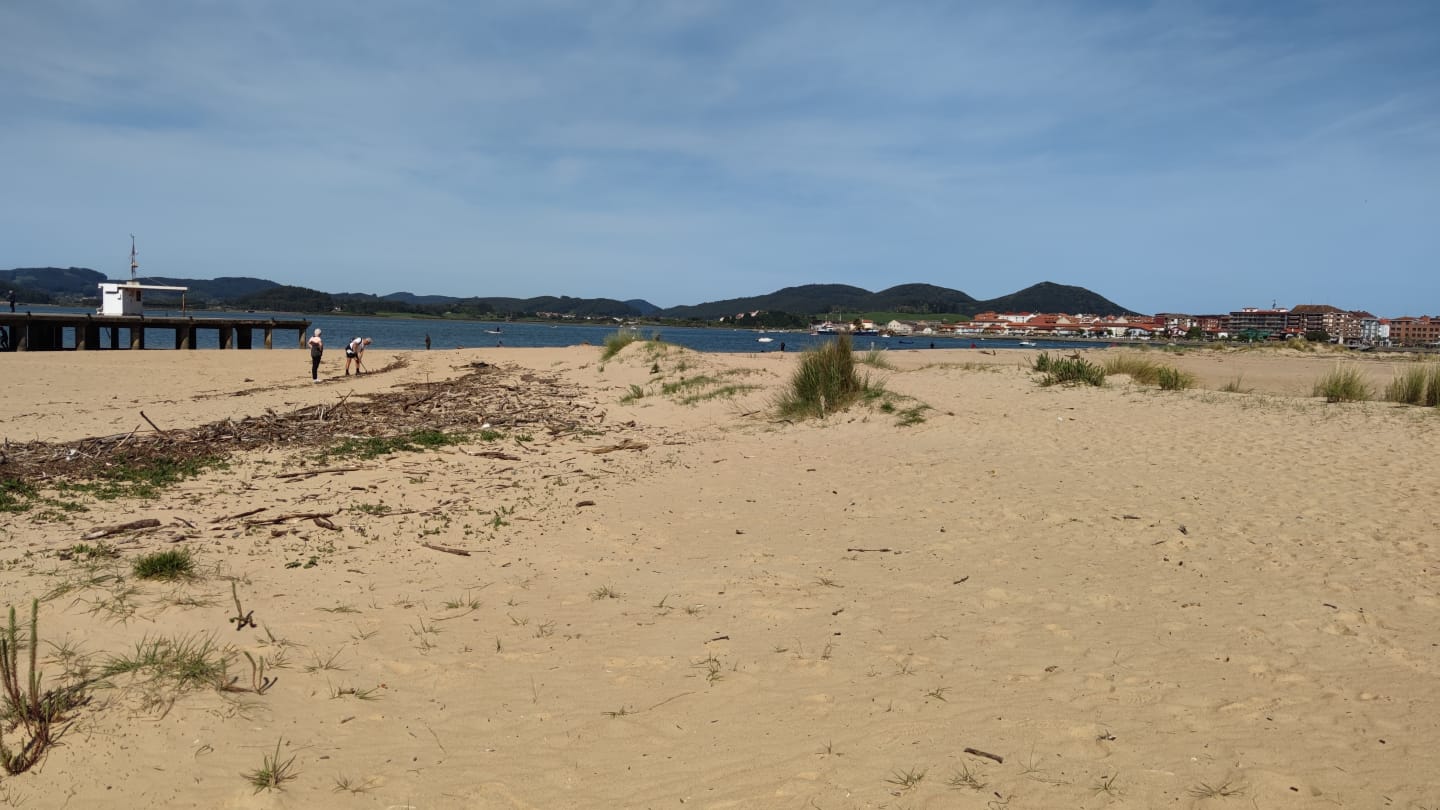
(1170, 156)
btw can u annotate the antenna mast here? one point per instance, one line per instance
(134, 265)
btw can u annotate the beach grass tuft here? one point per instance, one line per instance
(1068, 370)
(1148, 372)
(825, 382)
(1173, 379)
(1416, 385)
(24, 705)
(1343, 384)
(169, 565)
(614, 343)
(1139, 368)
(273, 772)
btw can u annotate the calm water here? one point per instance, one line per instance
(408, 333)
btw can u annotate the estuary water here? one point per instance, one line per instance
(410, 333)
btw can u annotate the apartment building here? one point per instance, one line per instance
(1411, 331)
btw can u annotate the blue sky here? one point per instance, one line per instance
(1172, 156)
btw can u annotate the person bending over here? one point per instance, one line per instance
(355, 352)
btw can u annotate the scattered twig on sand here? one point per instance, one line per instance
(872, 549)
(503, 456)
(625, 444)
(447, 549)
(986, 754)
(311, 473)
(106, 531)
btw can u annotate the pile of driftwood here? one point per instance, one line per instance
(501, 398)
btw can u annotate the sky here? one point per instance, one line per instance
(1172, 156)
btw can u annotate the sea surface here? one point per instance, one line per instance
(410, 333)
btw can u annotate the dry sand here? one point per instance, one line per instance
(1134, 598)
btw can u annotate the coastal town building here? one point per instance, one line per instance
(1412, 331)
(1254, 322)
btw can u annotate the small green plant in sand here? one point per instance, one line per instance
(965, 778)
(1068, 370)
(825, 382)
(635, 392)
(273, 772)
(169, 565)
(604, 592)
(16, 495)
(176, 664)
(1416, 385)
(36, 713)
(376, 446)
(144, 478)
(1343, 384)
(908, 779)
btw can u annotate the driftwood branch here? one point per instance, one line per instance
(106, 531)
(293, 516)
(248, 513)
(152, 424)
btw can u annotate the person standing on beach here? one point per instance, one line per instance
(317, 348)
(427, 341)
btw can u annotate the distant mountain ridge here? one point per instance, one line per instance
(76, 284)
(920, 299)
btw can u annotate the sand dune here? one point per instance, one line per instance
(1132, 597)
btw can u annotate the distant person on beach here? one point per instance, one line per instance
(317, 348)
(352, 355)
(782, 345)
(427, 341)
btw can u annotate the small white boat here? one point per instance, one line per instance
(1028, 343)
(765, 340)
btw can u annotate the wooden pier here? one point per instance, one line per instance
(47, 331)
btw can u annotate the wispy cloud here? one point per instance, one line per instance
(1170, 155)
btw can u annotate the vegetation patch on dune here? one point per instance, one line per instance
(376, 446)
(1073, 370)
(1145, 371)
(1417, 385)
(1343, 384)
(825, 382)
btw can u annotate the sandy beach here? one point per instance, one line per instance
(1030, 597)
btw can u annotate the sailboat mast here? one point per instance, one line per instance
(134, 265)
